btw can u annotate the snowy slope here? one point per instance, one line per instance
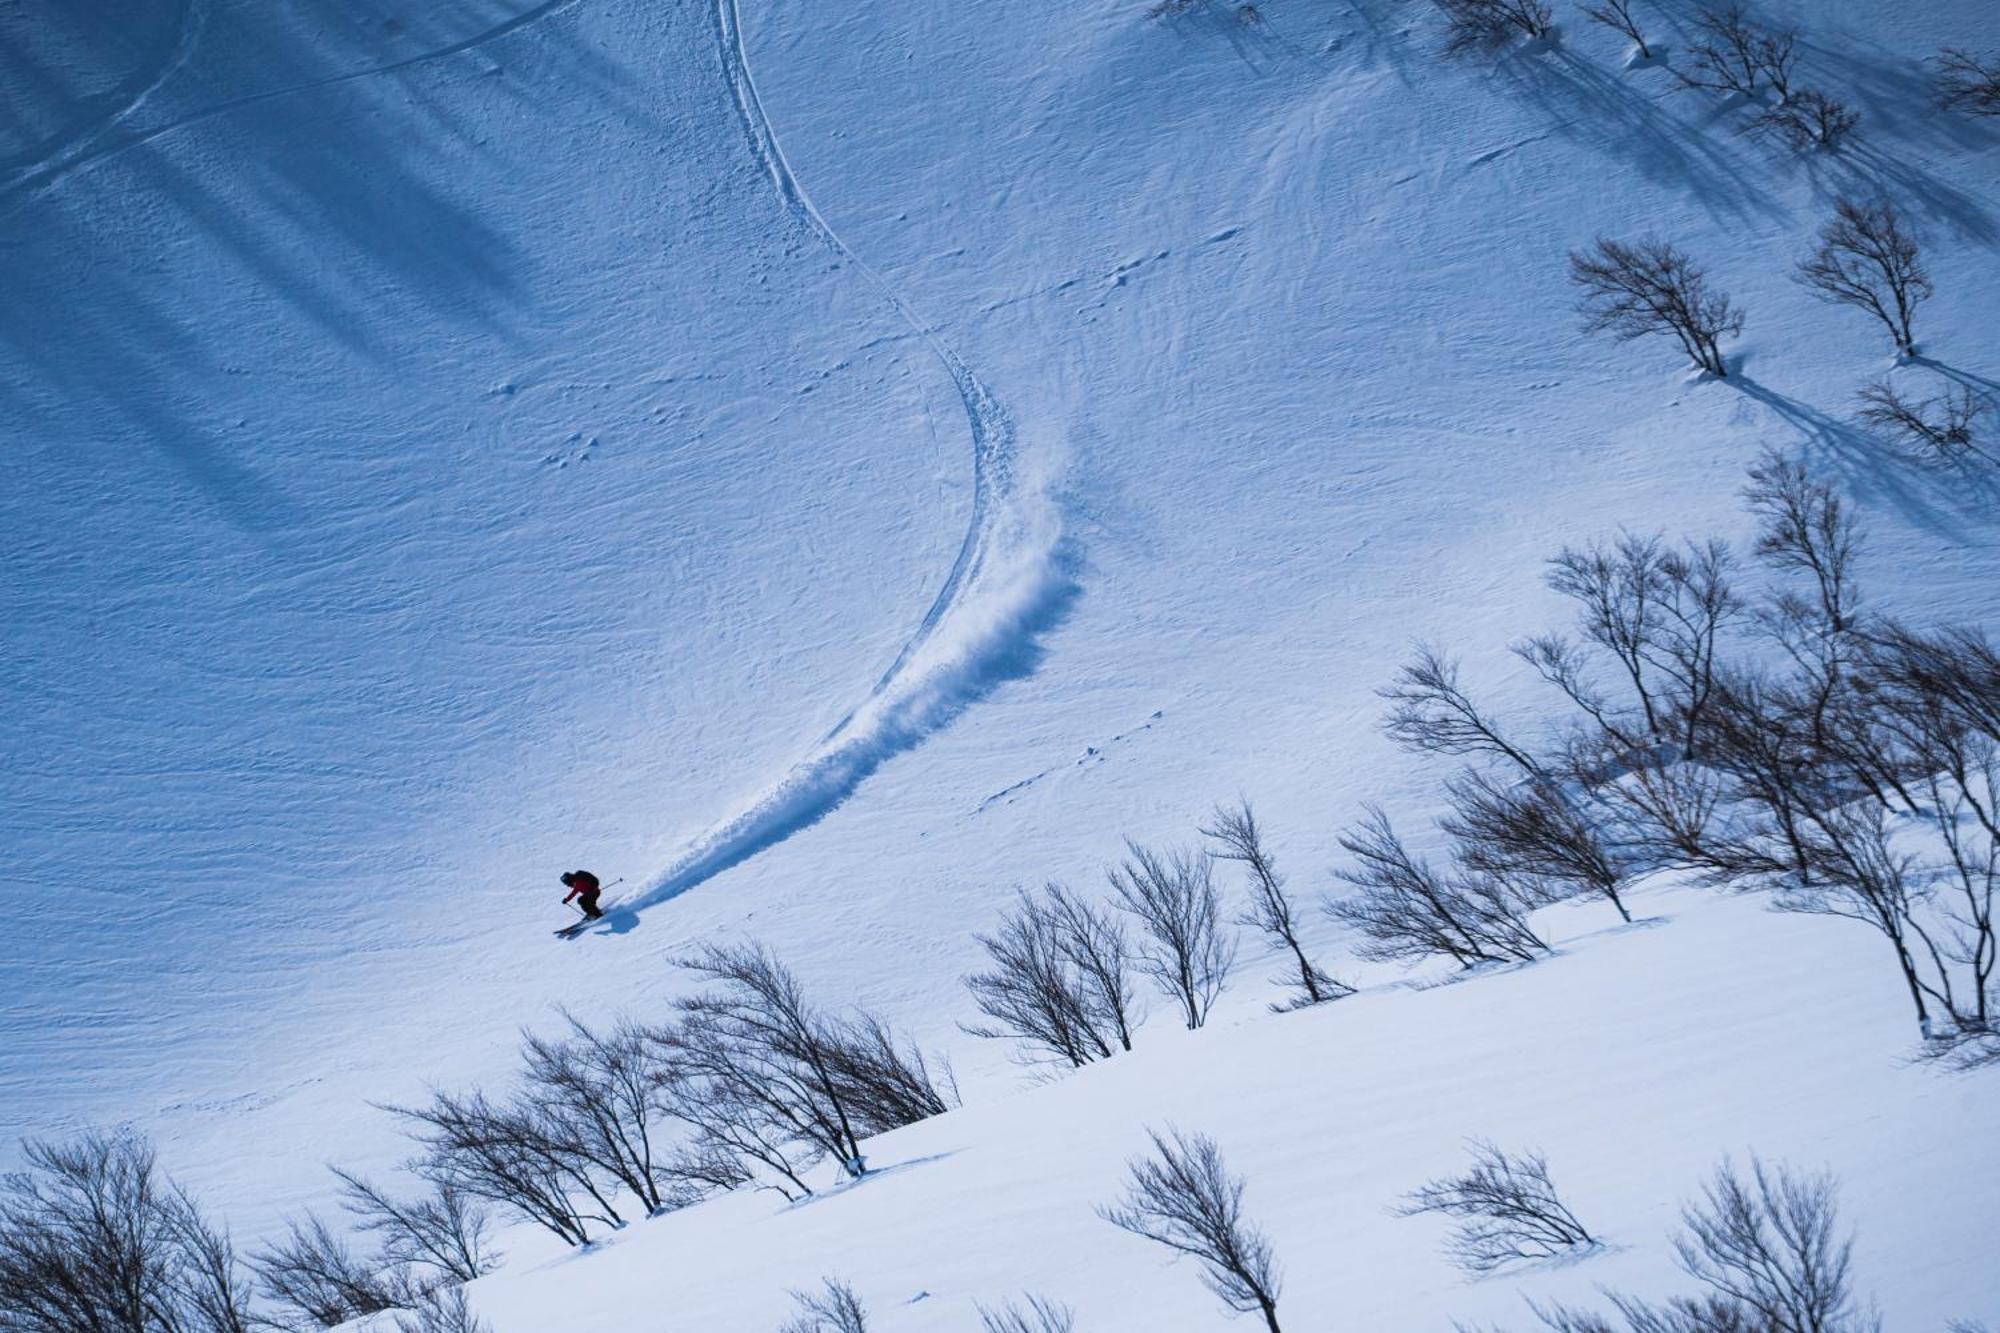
(828, 468)
(1334, 1114)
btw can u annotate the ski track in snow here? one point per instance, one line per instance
(1009, 582)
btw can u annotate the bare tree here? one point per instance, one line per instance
(1093, 942)
(1945, 428)
(888, 1086)
(1488, 25)
(212, 1291)
(602, 1095)
(1239, 839)
(95, 1239)
(1658, 614)
(445, 1230)
(442, 1311)
(1736, 56)
(1767, 1249)
(1770, 1244)
(1035, 1314)
(1808, 119)
(505, 1154)
(757, 1006)
(833, 1309)
(1433, 714)
(1617, 16)
(747, 1124)
(1869, 260)
(1535, 831)
(1507, 1209)
(1406, 910)
(313, 1275)
(1059, 984)
(826, 1083)
(1184, 1198)
(1635, 289)
(1174, 900)
(1806, 528)
(1967, 82)
(1681, 1314)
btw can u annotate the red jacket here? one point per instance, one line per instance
(582, 884)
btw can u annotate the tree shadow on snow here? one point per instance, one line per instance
(1875, 472)
(1609, 112)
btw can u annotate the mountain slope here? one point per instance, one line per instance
(454, 443)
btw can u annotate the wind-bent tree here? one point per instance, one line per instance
(314, 1276)
(1736, 56)
(1404, 909)
(1488, 25)
(1807, 119)
(1536, 832)
(1944, 429)
(94, 1238)
(1617, 16)
(1184, 1198)
(1059, 981)
(1433, 714)
(446, 1230)
(1238, 838)
(1967, 82)
(1643, 288)
(1506, 1209)
(1174, 900)
(834, 1308)
(1869, 260)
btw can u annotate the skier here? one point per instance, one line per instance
(584, 888)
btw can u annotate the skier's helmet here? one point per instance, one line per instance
(569, 877)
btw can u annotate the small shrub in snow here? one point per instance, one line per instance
(1184, 1198)
(1060, 981)
(442, 1311)
(315, 1277)
(1736, 56)
(1645, 288)
(1404, 909)
(1944, 428)
(1473, 26)
(93, 1236)
(1034, 1314)
(445, 1231)
(1617, 16)
(1869, 260)
(1506, 1208)
(832, 1309)
(1808, 119)
(1967, 82)
(1238, 838)
(1183, 947)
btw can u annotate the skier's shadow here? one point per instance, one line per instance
(617, 921)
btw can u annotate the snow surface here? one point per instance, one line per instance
(828, 465)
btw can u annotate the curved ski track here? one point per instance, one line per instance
(1009, 558)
